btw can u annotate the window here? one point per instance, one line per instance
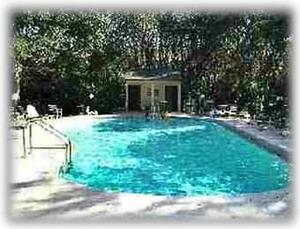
(156, 92)
(148, 91)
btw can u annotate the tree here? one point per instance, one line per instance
(230, 58)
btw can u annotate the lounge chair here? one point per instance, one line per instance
(31, 111)
(91, 112)
(32, 114)
(222, 113)
(55, 111)
(232, 112)
(245, 116)
(221, 110)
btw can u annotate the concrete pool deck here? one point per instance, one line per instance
(38, 192)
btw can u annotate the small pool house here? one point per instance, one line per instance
(146, 90)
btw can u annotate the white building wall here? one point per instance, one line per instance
(158, 85)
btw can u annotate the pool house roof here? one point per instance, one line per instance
(146, 75)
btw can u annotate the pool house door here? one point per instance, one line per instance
(134, 97)
(171, 95)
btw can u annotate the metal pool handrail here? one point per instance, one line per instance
(52, 130)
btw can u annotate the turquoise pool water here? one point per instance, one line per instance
(175, 157)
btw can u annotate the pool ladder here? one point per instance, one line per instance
(67, 144)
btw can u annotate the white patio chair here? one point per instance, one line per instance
(89, 112)
(57, 111)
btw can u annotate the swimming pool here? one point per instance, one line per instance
(177, 156)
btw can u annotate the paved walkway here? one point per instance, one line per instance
(38, 193)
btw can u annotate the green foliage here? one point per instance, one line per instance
(230, 58)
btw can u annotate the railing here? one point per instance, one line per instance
(154, 111)
(52, 130)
